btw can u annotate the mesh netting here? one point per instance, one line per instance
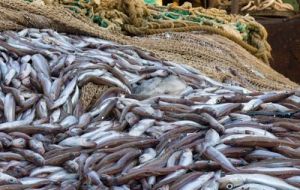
(214, 55)
(135, 18)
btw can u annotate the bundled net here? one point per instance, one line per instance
(135, 18)
(258, 5)
(218, 56)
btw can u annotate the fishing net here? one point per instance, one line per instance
(135, 18)
(218, 56)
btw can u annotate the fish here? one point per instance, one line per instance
(9, 108)
(31, 156)
(218, 157)
(36, 146)
(198, 182)
(185, 159)
(77, 142)
(148, 155)
(139, 128)
(19, 143)
(236, 180)
(40, 64)
(7, 179)
(44, 169)
(64, 94)
(254, 186)
(146, 123)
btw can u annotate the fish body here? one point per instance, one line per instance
(236, 180)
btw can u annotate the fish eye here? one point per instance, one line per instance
(11, 180)
(229, 186)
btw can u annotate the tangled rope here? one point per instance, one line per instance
(258, 5)
(134, 17)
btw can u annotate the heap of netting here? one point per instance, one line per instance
(213, 55)
(135, 18)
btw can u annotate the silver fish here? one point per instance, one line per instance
(7, 179)
(9, 107)
(139, 128)
(45, 169)
(198, 183)
(236, 180)
(40, 64)
(77, 142)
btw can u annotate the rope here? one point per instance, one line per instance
(133, 17)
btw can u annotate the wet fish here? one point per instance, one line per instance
(235, 180)
(145, 123)
(9, 107)
(7, 179)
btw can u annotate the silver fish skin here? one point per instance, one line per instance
(29, 115)
(255, 131)
(25, 59)
(199, 182)
(77, 141)
(15, 65)
(19, 143)
(3, 69)
(185, 160)
(45, 83)
(174, 158)
(65, 94)
(139, 128)
(23, 32)
(105, 106)
(40, 64)
(69, 121)
(9, 108)
(55, 116)
(45, 169)
(84, 120)
(252, 105)
(37, 146)
(58, 65)
(293, 180)
(7, 179)
(68, 107)
(62, 176)
(33, 180)
(108, 137)
(212, 138)
(215, 155)
(41, 108)
(9, 76)
(95, 73)
(56, 88)
(148, 155)
(236, 180)
(16, 83)
(13, 124)
(75, 97)
(254, 186)
(70, 59)
(213, 183)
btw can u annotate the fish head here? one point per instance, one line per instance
(230, 182)
(12, 180)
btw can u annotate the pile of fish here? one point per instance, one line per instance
(159, 125)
